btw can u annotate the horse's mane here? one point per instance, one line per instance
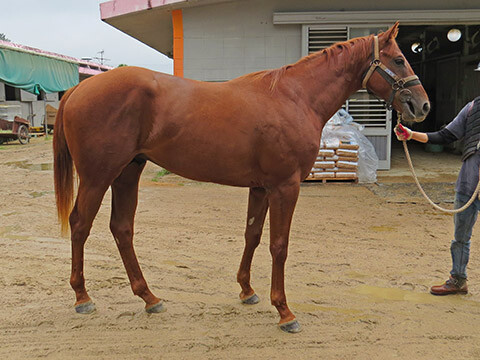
(330, 56)
(346, 46)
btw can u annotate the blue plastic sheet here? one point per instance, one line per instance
(35, 73)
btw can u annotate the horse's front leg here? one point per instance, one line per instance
(257, 210)
(282, 202)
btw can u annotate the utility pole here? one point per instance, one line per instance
(101, 58)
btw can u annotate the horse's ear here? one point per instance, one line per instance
(392, 32)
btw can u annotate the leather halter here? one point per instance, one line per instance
(393, 79)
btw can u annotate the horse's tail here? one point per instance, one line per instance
(62, 168)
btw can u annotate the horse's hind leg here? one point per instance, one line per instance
(88, 202)
(257, 210)
(124, 204)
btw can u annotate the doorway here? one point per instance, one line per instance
(443, 56)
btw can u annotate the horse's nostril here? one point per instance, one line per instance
(426, 107)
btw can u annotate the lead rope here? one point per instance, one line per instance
(449, 211)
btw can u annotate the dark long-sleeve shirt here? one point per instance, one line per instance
(455, 130)
(441, 137)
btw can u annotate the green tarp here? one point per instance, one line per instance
(34, 73)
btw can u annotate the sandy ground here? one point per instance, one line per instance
(361, 261)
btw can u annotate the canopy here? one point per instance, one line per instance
(35, 73)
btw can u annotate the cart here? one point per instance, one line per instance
(12, 126)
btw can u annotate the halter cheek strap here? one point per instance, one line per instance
(393, 79)
(375, 62)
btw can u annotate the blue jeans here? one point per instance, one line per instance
(460, 246)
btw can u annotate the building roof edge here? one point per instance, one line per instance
(114, 8)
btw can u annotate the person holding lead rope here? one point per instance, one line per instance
(466, 125)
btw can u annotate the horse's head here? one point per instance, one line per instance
(391, 78)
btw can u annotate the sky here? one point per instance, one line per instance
(74, 28)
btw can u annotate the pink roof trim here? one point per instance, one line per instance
(88, 67)
(115, 8)
(35, 51)
(88, 71)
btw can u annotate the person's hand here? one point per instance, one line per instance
(403, 133)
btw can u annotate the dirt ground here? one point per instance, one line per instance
(361, 261)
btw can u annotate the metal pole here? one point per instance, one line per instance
(45, 127)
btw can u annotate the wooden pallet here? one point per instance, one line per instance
(332, 180)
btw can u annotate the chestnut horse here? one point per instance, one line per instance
(260, 131)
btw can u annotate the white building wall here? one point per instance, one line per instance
(227, 40)
(236, 41)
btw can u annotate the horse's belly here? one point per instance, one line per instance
(235, 154)
(210, 165)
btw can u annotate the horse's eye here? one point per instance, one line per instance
(399, 62)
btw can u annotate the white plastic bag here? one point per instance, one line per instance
(341, 128)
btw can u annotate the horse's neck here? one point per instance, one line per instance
(327, 83)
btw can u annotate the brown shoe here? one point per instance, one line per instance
(451, 286)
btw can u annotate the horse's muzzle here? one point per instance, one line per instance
(413, 110)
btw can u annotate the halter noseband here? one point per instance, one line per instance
(394, 80)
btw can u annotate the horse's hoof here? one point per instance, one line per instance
(156, 308)
(291, 327)
(251, 300)
(85, 308)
